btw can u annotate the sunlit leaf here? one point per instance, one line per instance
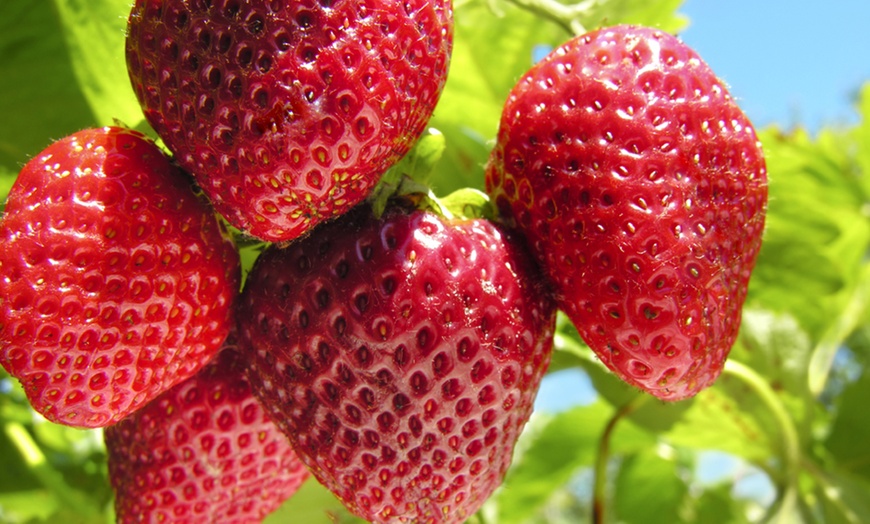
(27, 505)
(717, 420)
(845, 498)
(41, 100)
(846, 440)
(718, 505)
(661, 14)
(649, 488)
(861, 137)
(775, 346)
(555, 452)
(312, 504)
(94, 31)
(817, 231)
(491, 51)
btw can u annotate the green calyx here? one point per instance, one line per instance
(407, 184)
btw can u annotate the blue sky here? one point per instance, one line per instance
(787, 62)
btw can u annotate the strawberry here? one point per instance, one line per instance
(204, 451)
(401, 355)
(642, 190)
(288, 113)
(117, 279)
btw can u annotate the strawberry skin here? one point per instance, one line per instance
(401, 356)
(204, 451)
(288, 113)
(641, 189)
(116, 279)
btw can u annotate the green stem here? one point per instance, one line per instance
(567, 16)
(599, 493)
(791, 450)
(823, 354)
(42, 470)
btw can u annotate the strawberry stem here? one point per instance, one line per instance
(819, 368)
(567, 16)
(791, 451)
(599, 488)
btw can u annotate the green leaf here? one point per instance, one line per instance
(653, 13)
(40, 98)
(16, 473)
(490, 53)
(79, 443)
(94, 31)
(50, 477)
(7, 178)
(717, 505)
(411, 174)
(776, 347)
(312, 504)
(861, 137)
(649, 488)
(718, 421)
(27, 505)
(420, 161)
(839, 329)
(468, 203)
(788, 510)
(846, 441)
(14, 406)
(817, 230)
(248, 255)
(845, 498)
(551, 455)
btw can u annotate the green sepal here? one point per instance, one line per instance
(469, 202)
(417, 166)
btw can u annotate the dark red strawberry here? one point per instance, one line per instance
(401, 356)
(288, 113)
(204, 451)
(117, 279)
(642, 189)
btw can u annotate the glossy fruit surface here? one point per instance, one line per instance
(288, 113)
(117, 279)
(204, 451)
(401, 356)
(642, 189)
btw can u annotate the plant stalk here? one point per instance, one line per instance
(567, 16)
(791, 450)
(37, 463)
(599, 493)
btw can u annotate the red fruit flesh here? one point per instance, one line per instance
(641, 188)
(401, 356)
(288, 113)
(204, 451)
(117, 279)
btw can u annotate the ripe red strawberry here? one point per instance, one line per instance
(116, 279)
(641, 188)
(204, 451)
(287, 113)
(401, 356)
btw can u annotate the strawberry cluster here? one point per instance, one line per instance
(393, 355)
